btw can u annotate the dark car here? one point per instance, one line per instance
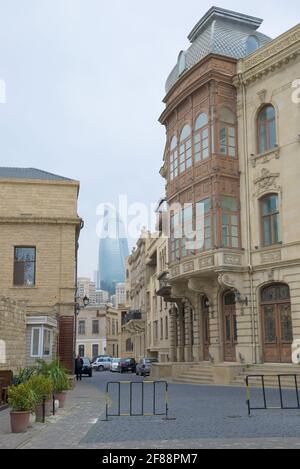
(128, 365)
(87, 367)
(143, 367)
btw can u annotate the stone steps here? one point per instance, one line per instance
(197, 374)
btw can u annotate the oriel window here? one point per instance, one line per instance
(227, 133)
(201, 138)
(185, 149)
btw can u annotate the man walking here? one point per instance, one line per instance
(78, 367)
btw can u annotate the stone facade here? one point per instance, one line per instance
(12, 334)
(146, 326)
(98, 331)
(40, 215)
(236, 300)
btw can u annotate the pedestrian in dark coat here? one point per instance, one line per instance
(78, 367)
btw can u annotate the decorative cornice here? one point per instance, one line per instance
(276, 54)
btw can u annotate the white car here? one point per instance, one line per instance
(115, 365)
(102, 364)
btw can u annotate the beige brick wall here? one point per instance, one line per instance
(12, 335)
(41, 214)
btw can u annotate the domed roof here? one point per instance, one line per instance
(221, 32)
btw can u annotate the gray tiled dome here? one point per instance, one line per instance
(220, 32)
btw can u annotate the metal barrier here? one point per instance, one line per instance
(280, 387)
(142, 413)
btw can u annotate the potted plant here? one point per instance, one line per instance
(22, 401)
(43, 388)
(61, 384)
(59, 379)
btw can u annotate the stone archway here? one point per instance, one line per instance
(277, 328)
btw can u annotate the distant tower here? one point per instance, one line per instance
(113, 250)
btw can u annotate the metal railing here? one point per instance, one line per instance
(265, 405)
(130, 412)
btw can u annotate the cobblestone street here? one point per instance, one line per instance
(206, 417)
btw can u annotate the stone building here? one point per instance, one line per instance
(12, 335)
(157, 309)
(231, 166)
(145, 326)
(134, 322)
(98, 331)
(39, 232)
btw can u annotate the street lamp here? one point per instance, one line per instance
(85, 303)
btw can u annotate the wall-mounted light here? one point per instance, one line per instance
(240, 300)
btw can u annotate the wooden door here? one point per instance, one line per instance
(277, 324)
(229, 327)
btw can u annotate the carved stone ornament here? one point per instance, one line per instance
(266, 182)
(262, 96)
(232, 280)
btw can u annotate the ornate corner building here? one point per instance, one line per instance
(232, 168)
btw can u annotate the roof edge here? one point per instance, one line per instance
(216, 12)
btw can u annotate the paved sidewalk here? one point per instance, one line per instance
(84, 405)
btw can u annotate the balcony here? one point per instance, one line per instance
(133, 316)
(165, 289)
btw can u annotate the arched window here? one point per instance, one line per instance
(201, 138)
(181, 63)
(252, 44)
(266, 129)
(185, 148)
(269, 219)
(173, 159)
(227, 133)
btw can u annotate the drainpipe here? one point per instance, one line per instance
(76, 278)
(248, 231)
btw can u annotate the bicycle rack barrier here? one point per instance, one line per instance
(141, 386)
(280, 387)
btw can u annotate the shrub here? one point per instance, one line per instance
(57, 373)
(22, 398)
(24, 375)
(42, 387)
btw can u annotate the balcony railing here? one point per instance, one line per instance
(133, 316)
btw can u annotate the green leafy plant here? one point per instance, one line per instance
(24, 374)
(57, 373)
(42, 387)
(22, 398)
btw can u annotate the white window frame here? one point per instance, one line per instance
(41, 330)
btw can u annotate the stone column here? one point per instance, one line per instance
(181, 334)
(197, 354)
(173, 332)
(188, 357)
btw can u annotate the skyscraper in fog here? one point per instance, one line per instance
(113, 249)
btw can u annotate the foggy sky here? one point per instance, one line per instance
(85, 82)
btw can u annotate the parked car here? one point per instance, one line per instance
(115, 365)
(102, 364)
(87, 367)
(100, 356)
(143, 367)
(128, 365)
